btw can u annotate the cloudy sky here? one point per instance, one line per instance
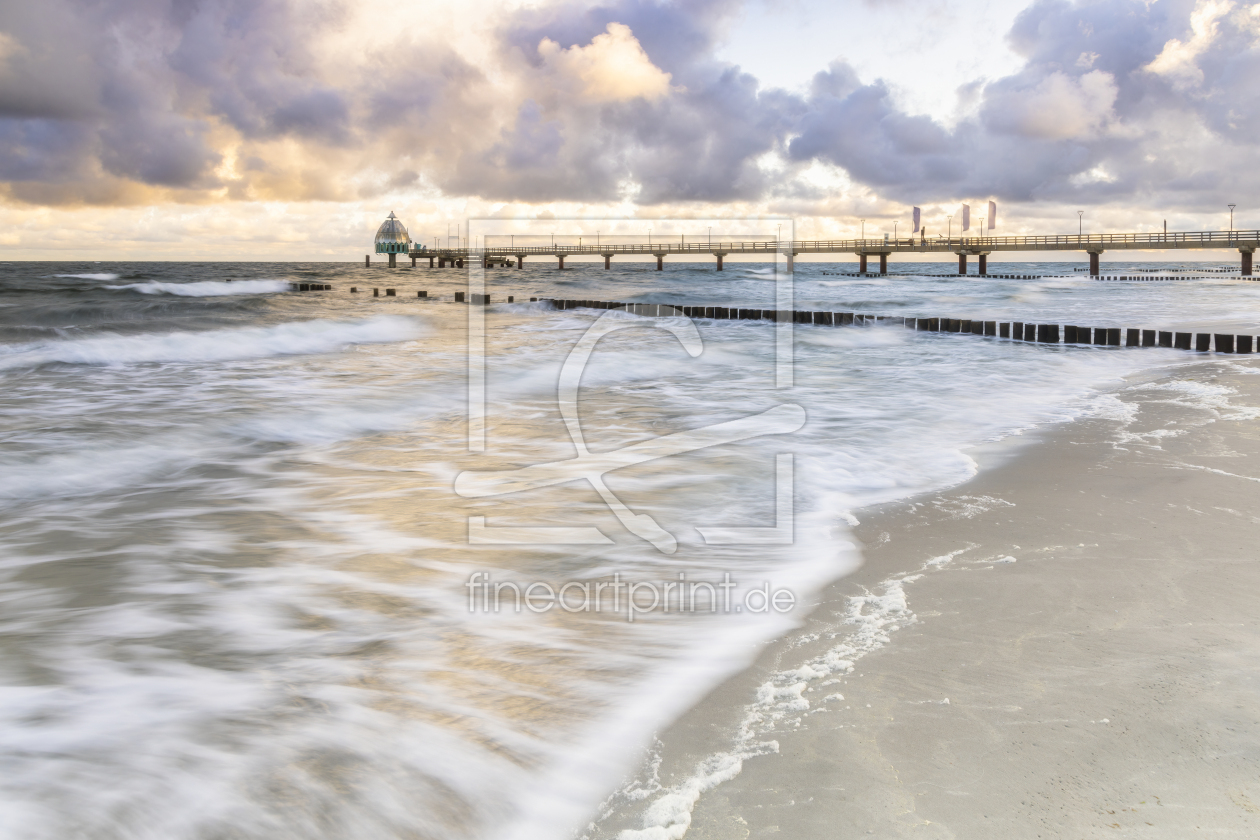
(287, 129)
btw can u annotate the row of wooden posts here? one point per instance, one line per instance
(1015, 330)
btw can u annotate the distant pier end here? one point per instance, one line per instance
(392, 238)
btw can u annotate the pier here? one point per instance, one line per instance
(1245, 242)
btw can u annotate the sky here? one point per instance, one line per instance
(288, 129)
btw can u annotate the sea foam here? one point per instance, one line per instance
(297, 338)
(203, 288)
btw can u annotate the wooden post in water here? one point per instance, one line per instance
(1202, 342)
(376, 293)
(1132, 338)
(1181, 341)
(1223, 343)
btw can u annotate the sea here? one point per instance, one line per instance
(328, 564)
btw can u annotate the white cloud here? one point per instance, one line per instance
(1060, 108)
(1178, 62)
(612, 68)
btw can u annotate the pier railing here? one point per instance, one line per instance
(954, 244)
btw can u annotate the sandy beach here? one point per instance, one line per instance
(1065, 646)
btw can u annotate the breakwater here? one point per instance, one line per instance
(1011, 330)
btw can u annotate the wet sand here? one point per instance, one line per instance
(1077, 655)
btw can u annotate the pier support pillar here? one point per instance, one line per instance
(861, 263)
(607, 261)
(393, 261)
(719, 263)
(660, 262)
(962, 264)
(1246, 261)
(883, 263)
(1093, 263)
(367, 260)
(561, 257)
(983, 267)
(430, 262)
(459, 263)
(791, 263)
(413, 262)
(520, 260)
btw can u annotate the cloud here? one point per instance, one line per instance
(612, 68)
(1178, 61)
(621, 104)
(1057, 107)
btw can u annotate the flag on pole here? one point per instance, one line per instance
(916, 220)
(992, 214)
(966, 217)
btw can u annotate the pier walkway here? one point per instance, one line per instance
(1095, 244)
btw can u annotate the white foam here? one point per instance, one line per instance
(203, 288)
(299, 337)
(82, 471)
(781, 702)
(90, 276)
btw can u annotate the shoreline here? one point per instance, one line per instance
(1095, 677)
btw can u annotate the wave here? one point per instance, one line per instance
(90, 276)
(203, 288)
(298, 338)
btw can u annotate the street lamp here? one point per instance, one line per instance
(649, 237)
(710, 237)
(894, 231)
(1080, 222)
(1231, 217)
(864, 230)
(949, 230)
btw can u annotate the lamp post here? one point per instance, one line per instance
(894, 231)
(710, 237)
(649, 237)
(1231, 217)
(949, 230)
(1080, 222)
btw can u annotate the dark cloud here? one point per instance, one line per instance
(111, 101)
